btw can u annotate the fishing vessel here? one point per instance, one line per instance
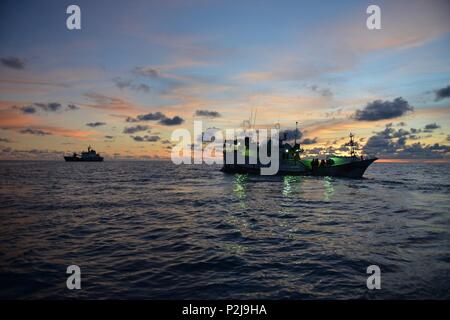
(89, 155)
(292, 163)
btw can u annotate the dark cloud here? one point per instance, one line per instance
(130, 84)
(72, 107)
(109, 137)
(157, 116)
(121, 83)
(49, 107)
(45, 107)
(442, 93)
(142, 87)
(430, 127)
(171, 121)
(421, 151)
(145, 138)
(5, 140)
(146, 72)
(138, 128)
(383, 142)
(147, 117)
(392, 143)
(291, 134)
(28, 109)
(151, 116)
(37, 132)
(130, 119)
(13, 63)
(207, 113)
(309, 141)
(324, 92)
(95, 124)
(380, 110)
(400, 133)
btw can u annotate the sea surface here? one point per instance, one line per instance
(154, 230)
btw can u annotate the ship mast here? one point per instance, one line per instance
(352, 145)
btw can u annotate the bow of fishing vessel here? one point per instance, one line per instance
(90, 155)
(291, 162)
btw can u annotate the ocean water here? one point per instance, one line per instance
(153, 230)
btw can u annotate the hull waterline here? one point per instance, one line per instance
(354, 169)
(76, 159)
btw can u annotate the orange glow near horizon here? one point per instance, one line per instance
(413, 160)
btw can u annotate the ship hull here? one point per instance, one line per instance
(76, 159)
(353, 169)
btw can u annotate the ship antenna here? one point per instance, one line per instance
(295, 134)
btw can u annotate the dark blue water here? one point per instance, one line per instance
(156, 230)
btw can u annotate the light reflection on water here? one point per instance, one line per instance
(155, 230)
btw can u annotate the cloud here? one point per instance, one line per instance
(28, 109)
(382, 144)
(145, 138)
(147, 117)
(95, 124)
(157, 116)
(109, 137)
(419, 150)
(45, 107)
(392, 143)
(146, 72)
(442, 93)
(13, 63)
(5, 140)
(135, 129)
(324, 92)
(207, 113)
(108, 103)
(171, 121)
(431, 127)
(291, 134)
(130, 84)
(380, 110)
(167, 83)
(400, 133)
(309, 141)
(37, 132)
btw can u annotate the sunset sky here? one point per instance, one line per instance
(137, 70)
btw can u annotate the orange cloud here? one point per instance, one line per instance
(104, 102)
(65, 132)
(10, 119)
